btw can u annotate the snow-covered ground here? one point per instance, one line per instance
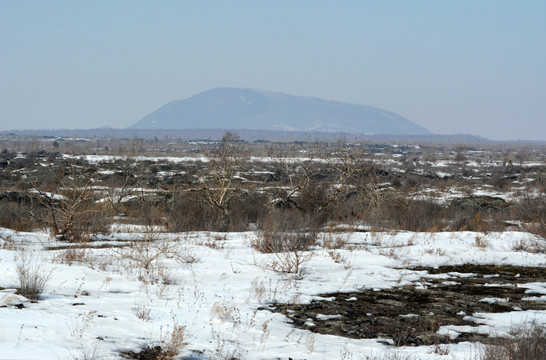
(213, 284)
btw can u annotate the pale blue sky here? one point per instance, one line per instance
(474, 67)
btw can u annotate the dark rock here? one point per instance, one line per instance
(482, 203)
(412, 315)
(148, 353)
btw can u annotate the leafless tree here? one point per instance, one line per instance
(326, 175)
(224, 161)
(74, 212)
(121, 185)
(460, 156)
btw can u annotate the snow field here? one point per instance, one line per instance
(107, 303)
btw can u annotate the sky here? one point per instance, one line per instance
(472, 67)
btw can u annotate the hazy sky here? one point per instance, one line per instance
(475, 67)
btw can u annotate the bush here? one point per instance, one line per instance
(147, 253)
(32, 277)
(15, 216)
(399, 212)
(390, 355)
(21, 212)
(245, 209)
(190, 212)
(525, 343)
(288, 238)
(173, 343)
(532, 211)
(82, 224)
(415, 215)
(286, 230)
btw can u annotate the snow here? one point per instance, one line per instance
(494, 300)
(97, 159)
(101, 305)
(328, 317)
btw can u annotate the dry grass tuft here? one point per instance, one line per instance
(173, 343)
(32, 277)
(525, 343)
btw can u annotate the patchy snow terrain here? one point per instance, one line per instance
(165, 249)
(101, 300)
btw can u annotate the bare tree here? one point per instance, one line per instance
(136, 146)
(224, 161)
(328, 173)
(460, 154)
(121, 185)
(74, 212)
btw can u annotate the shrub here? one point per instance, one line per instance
(173, 343)
(15, 216)
(533, 212)
(20, 212)
(71, 202)
(247, 208)
(390, 355)
(147, 253)
(80, 226)
(539, 229)
(287, 243)
(72, 255)
(190, 212)
(397, 211)
(32, 277)
(525, 343)
(286, 230)
(415, 215)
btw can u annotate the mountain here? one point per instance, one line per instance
(234, 108)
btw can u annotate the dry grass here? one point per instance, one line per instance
(15, 215)
(288, 241)
(142, 312)
(539, 229)
(7, 243)
(481, 242)
(335, 242)
(525, 343)
(146, 254)
(73, 255)
(226, 313)
(391, 355)
(289, 262)
(32, 277)
(173, 343)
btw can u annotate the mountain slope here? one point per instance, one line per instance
(233, 108)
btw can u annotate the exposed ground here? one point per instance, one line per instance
(412, 315)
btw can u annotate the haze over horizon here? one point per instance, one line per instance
(451, 67)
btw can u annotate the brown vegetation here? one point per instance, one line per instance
(229, 187)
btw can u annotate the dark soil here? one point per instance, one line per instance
(411, 315)
(148, 353)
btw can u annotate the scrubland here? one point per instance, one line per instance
(166, 249)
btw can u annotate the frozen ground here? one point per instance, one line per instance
(213, 284)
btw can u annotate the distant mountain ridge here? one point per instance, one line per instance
(235, 108)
